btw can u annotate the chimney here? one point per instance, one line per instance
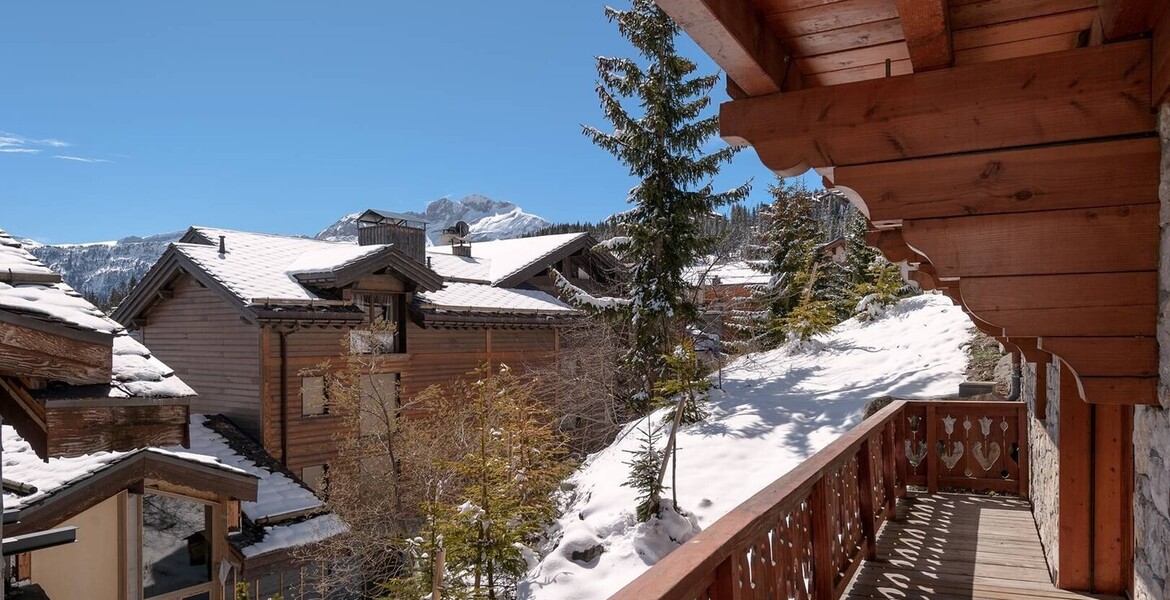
(222, 246)
(402, 231)
(461, 249)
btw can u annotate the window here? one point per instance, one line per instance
(313, 400)
(314, 477)
(379, 403)
(385, 313)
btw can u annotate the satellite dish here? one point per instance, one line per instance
(462, 229)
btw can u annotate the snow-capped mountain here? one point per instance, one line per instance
(489, 220)
(102, 270)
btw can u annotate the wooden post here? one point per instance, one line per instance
(895, 480)
(1112, 505)
(1075, 451)
(1022, 424)
(932, 458)
(437, 576)
(726, 585)
(901, 462)
(217, 533)
(865, 496)
(822, 549)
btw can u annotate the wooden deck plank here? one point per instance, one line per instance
(959, 547)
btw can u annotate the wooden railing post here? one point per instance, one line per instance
(931, 451)
(901, 461)
(895, 479)
(865, 497)
(1022, 455)
(823, 566)
(726, 583)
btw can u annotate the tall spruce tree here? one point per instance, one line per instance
(656, 107)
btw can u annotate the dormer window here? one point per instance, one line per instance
(385, 314)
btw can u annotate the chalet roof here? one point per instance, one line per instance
(286, 513)
(136, 373)
(27, 291)
(506, 263)
(472, 297)
(35, 480)
(29, 288)
(738, 272)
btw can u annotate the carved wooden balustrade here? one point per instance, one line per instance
(805, 535)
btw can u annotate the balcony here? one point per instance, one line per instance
(844, 525)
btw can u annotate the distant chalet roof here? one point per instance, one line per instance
(29, 295)
(272, 276)
(508, 263)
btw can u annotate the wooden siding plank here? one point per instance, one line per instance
(1012, 31)
(978, 13)
(1065, 96)
(1102, 240)
(1030, 47)
(1092, 174)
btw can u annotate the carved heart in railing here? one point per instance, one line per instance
(915, 458)
(992, 456)
(952, 458)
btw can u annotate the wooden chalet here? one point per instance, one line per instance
(95, 428)
(241, 316)
(1009, 152)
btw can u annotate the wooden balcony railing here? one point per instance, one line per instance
(805, 535)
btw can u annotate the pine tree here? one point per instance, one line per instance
(503, 483)
(859, 256)
(662, 145)
(646, 473)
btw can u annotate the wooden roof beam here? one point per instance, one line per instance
(1079, 94)
(1121, 19)
(734, 35)
(928, 35)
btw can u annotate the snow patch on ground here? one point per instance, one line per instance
(777, 408)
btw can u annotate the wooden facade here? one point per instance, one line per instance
(1007, 152)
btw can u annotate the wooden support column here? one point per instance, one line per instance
(217, 530)
(1112, 498)
(1074, 568)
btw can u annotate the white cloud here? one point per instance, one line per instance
(83, 159)
(14, 143)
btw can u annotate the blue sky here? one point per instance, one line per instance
(136, 117)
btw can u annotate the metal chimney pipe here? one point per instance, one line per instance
(222, 245)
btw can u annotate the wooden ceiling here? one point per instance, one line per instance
(810, 43)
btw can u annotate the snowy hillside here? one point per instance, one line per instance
(776, 409)
(489, 220)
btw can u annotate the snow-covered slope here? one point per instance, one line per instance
(489, 220)
(777, 408)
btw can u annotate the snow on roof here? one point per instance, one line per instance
(15, 260)
(504, 258)
(22, 465)
(292, 514)
(474, 297)
(464, 268)
(326, 260)
(292, 535)
(255, 264)
(137, 373)
(41, 298)
(731, 273)
(278, 494)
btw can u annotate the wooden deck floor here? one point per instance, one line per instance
(958, 547)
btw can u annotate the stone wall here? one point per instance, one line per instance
(1151, 428)
(1044, 460)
